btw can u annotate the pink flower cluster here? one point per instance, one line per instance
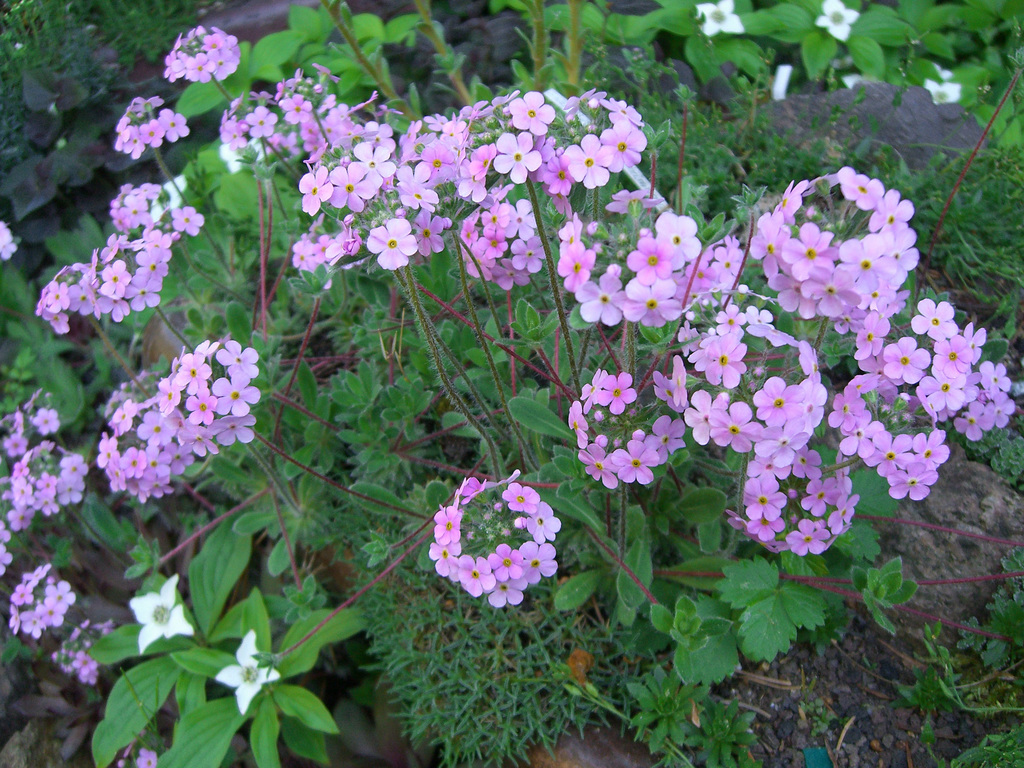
(664, 262)
(203, 55)
(478, 156)
(606, 422)
(192, 414)
(515, 533)
(142, 126)
(128, 273)
(73, 655)
(42, 479)
(33, 609)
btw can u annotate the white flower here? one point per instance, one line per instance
(159, 615)
(837, 18)
(946, 92)
(781, 82)
(719, 17)
(245, 677)
(7, 244)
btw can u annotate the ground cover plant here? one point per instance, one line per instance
(565, 447)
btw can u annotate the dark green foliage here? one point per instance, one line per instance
(462, 671)
(997, 751)
(1005, 617)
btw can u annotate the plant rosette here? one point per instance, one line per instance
(495, 547)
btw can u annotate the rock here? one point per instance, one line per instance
(37, 745)
(916, 128)
(596, 748)
(969, 497)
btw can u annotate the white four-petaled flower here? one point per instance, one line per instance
(719, 17)
(159, 614)
(946, 92)
(836, 18)
(246, 677)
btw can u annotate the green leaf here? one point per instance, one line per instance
(265, 728)
(535, 417)
(239, 320)
(378, 492)
(347, 623)
(254, 616)
(133, 701)
(236, 196)
(276, 48)
(203, 735)
(214, 571)
(703, 505)
(278, 560)
(190, 692)
(766, 630)
(576, 590)
(748, 582)
(300, 703)
(817, 49)
(121, 644)
(304, 741)
(573, 506)
(198, 99)
(206, 662)
(867, 56)
(804, 605)
(882, 25)
(794, 22)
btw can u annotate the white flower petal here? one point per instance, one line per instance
(247, 650)
(245, 694)
(148, 634)
(233, 676)
(177, 624)
(143, 607)
(167, 595)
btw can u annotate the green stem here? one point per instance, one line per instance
(110, 348)
(539, 46)
(630, 331)
(443, 51)
(375, 71)
(556, 290)
(453, 394)
(524, 450)
(171, 327)
(574, 44)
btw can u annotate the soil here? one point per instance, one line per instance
(842, 701)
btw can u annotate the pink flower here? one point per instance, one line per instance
(393, 243)
(672, 390)
(635, 461)
(617, 392)
(651, 305)
(601, 301)
(811, 537)
(589, 161)
(506, 563)
(721, 360)
(935, 320)
(734, 428)
(598, 465)
(507, 593)
(475, 575)
(865, 193)
(538, 561)
(904, 362)
(446, 558)
(531, 113)
(446, 528)
(315, 189)
(521, 498)
(516, 156)
(626, 141)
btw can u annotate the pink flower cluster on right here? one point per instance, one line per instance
(839, 259)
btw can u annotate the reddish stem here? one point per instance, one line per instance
(625, 568)
(298, 362)
(963, 173)
(327, 619)
(304, 411)
(211, 525)
(944, 529)
(333, 483)
(288, 545)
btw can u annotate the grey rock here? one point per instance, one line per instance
(969, 497)
(37, 745)
(916, 128)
